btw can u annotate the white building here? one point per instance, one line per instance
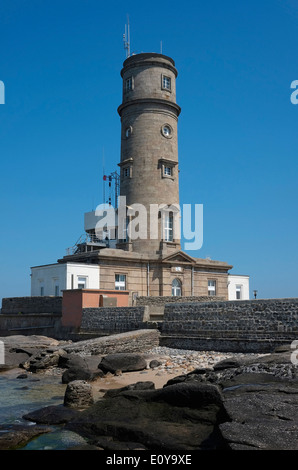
(52, 279)
(238, 287)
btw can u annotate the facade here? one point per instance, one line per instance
(238, 287)
(151, 263)
(53, 279)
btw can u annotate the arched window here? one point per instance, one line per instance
(176, 288)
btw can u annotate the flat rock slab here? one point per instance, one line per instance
(32, 342)
(15, 436)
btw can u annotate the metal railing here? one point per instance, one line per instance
(85, 239)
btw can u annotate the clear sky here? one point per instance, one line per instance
(60, 61)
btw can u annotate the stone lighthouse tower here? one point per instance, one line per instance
(149, 153)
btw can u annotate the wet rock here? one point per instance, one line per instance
(16, 436)
(56, 414)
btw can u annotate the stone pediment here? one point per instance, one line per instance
(179, 257)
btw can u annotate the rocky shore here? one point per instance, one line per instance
(162, 399)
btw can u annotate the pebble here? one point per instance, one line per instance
(181, 360)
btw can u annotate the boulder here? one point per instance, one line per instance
(154, 363)
(78, 394)
(79, 368)
(55, 414)
(149, 419)
(126, 362)
(190, 394)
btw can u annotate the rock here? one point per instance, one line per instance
(154, 363)
(15, 436)
(191, 394)
(43, 360)
(262, 413)
(13, 359)
(31, 343)
(79, 368)
(22, 376)
(137, 386)
(227, 364)
(151, 420)
(78, 394)
(125, 362)
(58, 414)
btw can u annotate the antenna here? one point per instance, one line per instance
(126, 38)
(161, 47)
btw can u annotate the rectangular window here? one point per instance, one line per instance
(167, 170)
(168, 227)
(82, 282)
(57, 291)
(42, 291)
(128, 84)
(211, 287)
(126, 172)
(166, 82)
(238, 292)
(120, 281)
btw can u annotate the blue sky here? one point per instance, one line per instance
(60, 62)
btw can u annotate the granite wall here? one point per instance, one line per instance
(46, 304)
(162, 300)
(106, 320)
(248, 325)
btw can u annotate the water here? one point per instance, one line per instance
(20, 396)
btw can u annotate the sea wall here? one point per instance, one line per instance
(24, 305)
(248, 325)
(30, 324)
(162, 300)
(108, 320)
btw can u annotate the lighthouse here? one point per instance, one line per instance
(149, 174)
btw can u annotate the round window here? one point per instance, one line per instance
(166, 130)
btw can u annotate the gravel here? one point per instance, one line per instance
(176, 359)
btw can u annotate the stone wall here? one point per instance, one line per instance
(106, 320)
(161, 300)
(136, 341)
(248, 325)
(30, 324)
(26, 305)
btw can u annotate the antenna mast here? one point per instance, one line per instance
(126, 38)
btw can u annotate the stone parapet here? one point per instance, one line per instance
(248, 326)
(162, 300)
(46, 304)
(106, 320)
